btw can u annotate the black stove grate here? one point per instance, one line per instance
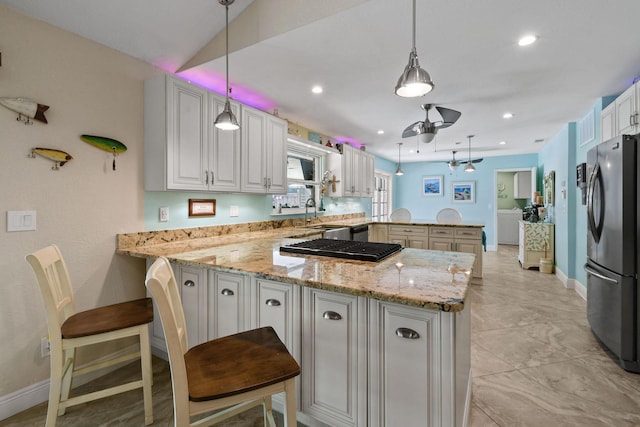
(347, 249)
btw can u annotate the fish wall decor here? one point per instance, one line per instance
(105, 144)
(58, 157)
(26, 108)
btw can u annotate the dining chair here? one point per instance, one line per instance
(400, 214)
(230, 374)
(69, 330)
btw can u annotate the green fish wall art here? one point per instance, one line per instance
(105, 144)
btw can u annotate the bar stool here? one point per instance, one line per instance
(230, 374)
(69, 330)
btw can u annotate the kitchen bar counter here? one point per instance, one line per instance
(412, 277)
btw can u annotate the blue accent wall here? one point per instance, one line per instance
(408, 189)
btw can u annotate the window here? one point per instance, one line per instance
(381, 204)
(305, 165)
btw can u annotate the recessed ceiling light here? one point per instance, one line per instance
(380, 132)
(507, 115)
(316, 89)
(527, 40)
(503, 142)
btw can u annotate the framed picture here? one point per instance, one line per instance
(202, 207)
(432, 186)
(463, 192)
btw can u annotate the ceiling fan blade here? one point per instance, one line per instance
(412, 130)
(477, 160)
(449, 116)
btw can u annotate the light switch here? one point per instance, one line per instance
(21, 220)
(234, 211)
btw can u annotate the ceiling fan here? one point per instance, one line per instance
(454, 163)
(428, 129)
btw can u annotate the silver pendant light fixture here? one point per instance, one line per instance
(226, 120)
(414, 81)
(399, 171)
(469, 167)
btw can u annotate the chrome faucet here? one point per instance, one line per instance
(310, 203)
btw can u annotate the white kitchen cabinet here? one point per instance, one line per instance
(536, 241)
(405, 366)
(378, 233)
(608, 122)
(627, 111)
(334, 358)
(278, 305)
(409, 236)
(224, 151)
(264, 152)
(228, 310)
(193, 294)
(459, 239)
(522, 185)
(183, 150)
(355, 171)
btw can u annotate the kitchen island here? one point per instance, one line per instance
(380, 344)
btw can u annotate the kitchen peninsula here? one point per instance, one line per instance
(380, 344)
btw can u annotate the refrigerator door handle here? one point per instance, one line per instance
(598, 275)
(593, 180)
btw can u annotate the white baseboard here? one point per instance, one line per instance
(580, 289)
(34, 394)
(21, 400)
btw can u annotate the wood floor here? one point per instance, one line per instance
(534, 362)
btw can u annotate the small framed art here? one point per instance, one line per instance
(432, 186)
(463, 192)
(202, 207)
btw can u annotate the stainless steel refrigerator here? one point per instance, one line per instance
(612, 247)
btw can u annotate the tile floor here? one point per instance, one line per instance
(534, 362)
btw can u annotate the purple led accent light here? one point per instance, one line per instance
(217, 83)
(351, 141)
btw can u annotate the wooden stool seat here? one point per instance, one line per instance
(108, 318)
(238, 363)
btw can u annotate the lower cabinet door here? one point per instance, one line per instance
(440, 244)
(334, 362)
(193, 293)
(404, 365)
(227, 304)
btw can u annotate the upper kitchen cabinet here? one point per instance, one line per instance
(264, 152)
(183, 150)
(355, 171)
(622, 117)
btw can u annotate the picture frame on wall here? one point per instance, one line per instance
(463, 192)
(432, 186)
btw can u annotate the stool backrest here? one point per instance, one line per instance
(162, 284)
(55, 286)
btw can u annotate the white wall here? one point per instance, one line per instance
(81, 207)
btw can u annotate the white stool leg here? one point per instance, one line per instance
(55, 384)
(290, 403)
(147, 374)
(67, 377)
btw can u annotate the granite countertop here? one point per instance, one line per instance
(364, 221)
(412, 277)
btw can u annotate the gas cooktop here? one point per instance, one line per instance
(346, 249)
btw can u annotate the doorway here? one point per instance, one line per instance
(505, 192)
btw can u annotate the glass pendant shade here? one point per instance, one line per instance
(453, 166)
(226, 120)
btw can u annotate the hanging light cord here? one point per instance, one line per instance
(226, 7)
(413, 49)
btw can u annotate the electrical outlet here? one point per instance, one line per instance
(45, 347)
(164, 214)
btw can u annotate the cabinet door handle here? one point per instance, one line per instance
(227, 292)
(268, 182)
(206, 177)
(407, 333)
(331, 315)
(189, 283)
(271, 302)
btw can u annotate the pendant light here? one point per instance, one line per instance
(399, 171)
(469, 167)
(226, 120)
(414, 81)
